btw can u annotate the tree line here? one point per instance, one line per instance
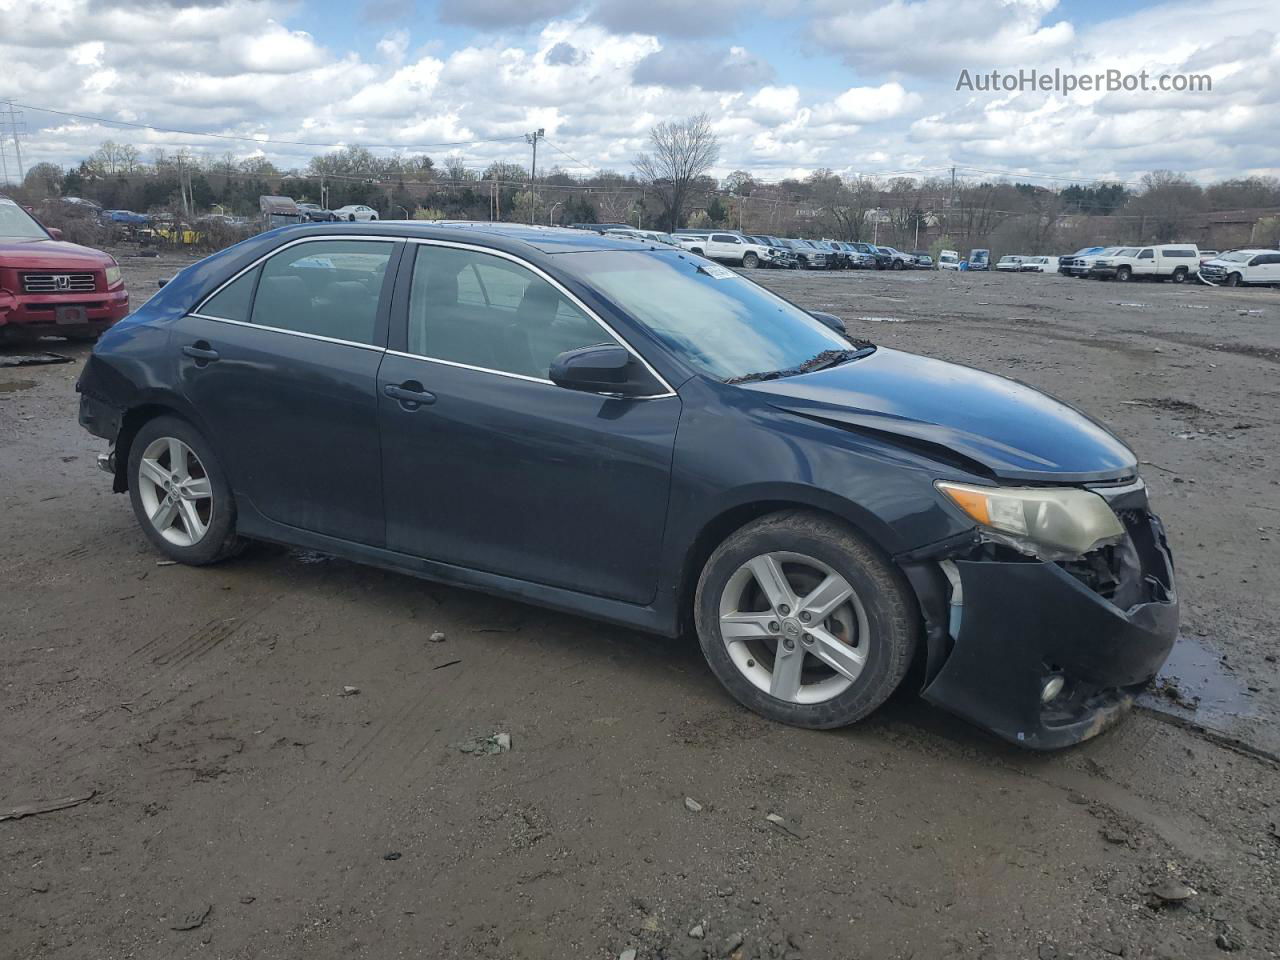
(669, 186)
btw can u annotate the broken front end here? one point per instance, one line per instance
(1047, 620)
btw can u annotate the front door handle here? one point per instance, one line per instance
(410, 394)
(201, 351)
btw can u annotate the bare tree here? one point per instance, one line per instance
(456, 169)
(1166, 204)
(847, 205)
(681, 151)
(740, 183)
(43, 180)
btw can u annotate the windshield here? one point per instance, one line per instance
(718, 321)
(1237, 257)
(16, 222)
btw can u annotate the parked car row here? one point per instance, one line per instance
(1176, 262)
(1013, 263)
(762, 250)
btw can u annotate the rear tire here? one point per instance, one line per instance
(181, 496)
(839, 602)
(1179, 275)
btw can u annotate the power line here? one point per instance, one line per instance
(584, 166)
(259, 141)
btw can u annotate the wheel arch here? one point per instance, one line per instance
(137, 416)
(715, 529)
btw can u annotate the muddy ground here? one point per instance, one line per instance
(244, 807)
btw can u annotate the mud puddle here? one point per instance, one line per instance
(1194, 685)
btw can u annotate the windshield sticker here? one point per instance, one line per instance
(716, 272)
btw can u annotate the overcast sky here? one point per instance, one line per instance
(861, 86)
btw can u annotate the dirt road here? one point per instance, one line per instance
(246, 805)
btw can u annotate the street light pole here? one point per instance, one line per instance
(551, 217)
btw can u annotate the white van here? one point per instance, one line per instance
(1168, 261)
(948, 260)
(1040, 265)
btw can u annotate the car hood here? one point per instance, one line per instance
(54, 254)
(991, 424)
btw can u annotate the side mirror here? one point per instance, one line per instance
(830, 320)
(54, 232)
(602, 369)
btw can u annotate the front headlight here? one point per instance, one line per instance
(1067, 521)
(114, 277)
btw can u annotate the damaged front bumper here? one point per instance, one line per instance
(1048, 654)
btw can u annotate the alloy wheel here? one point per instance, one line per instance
(794, 627)
(175, 491)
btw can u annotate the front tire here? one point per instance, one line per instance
(1123, 274)
(351, 217)
(180, 493)
(750, 260)
(803, 621)
(1233, 280)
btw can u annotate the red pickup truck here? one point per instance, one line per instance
(48, 287)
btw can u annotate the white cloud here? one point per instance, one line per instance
(933, 36)
(871, 104)
(598, 78)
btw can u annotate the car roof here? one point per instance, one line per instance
(511, 237)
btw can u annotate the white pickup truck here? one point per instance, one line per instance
(1242, 267)
(1169, 261)
(729, 247)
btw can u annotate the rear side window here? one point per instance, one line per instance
(484, 311)
(327, 288)
(233, 301)
(1182, 252)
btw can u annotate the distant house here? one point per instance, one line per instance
(279, 211)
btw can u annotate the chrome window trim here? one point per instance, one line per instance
(539, 272)
(424, 241)
(294, 333)
(520, 376)
(263, 259)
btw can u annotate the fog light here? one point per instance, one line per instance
(1052, 687)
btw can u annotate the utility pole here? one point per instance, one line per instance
(14, 118)
(951, 206)
(533, 138)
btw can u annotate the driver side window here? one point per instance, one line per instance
(485, 311)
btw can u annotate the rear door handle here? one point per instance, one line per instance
(410, 394)
(201, 351)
